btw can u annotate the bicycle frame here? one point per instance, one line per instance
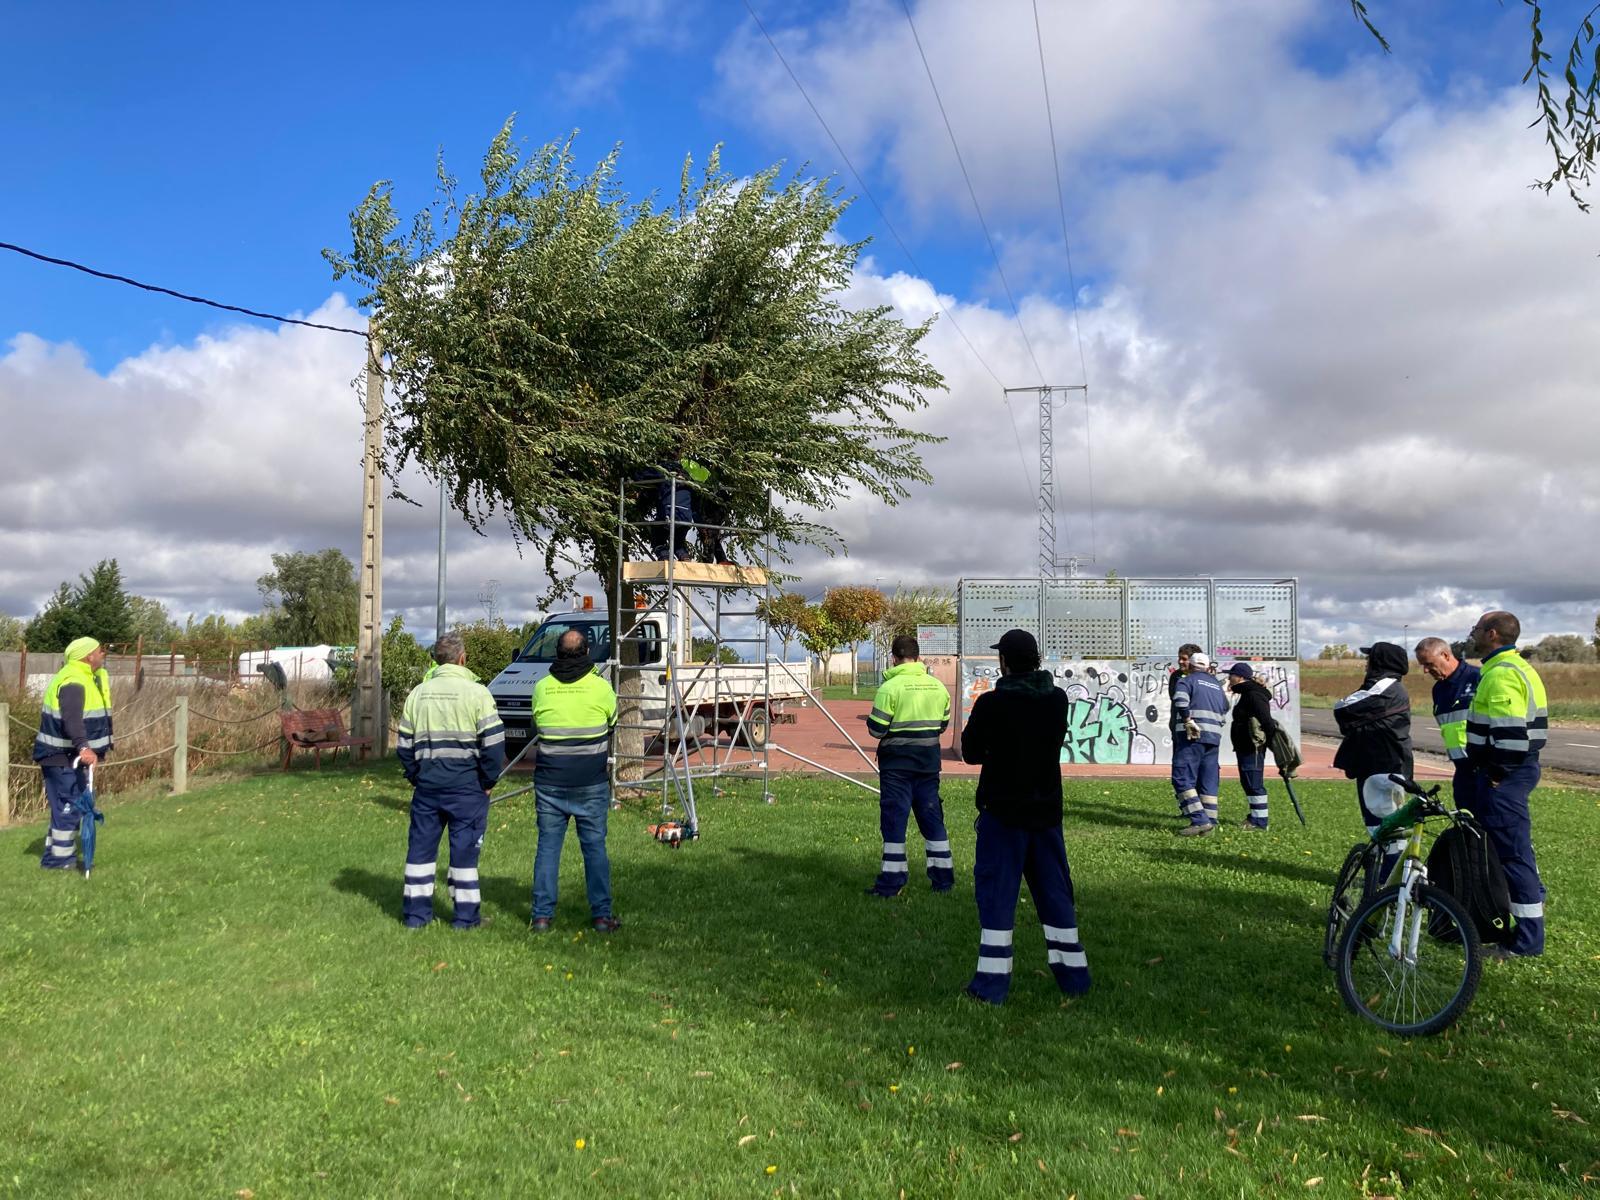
(1412, 871)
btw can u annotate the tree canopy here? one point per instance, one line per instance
(549, 338)
(95, 607)
(317, 599)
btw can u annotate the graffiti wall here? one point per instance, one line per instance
(1118, 710)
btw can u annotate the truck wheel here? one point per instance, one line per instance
(757, 728)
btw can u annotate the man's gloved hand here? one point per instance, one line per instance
(1193, 730)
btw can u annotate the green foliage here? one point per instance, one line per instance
(490, 646)
(817, 632)
(151, 621)
(1597, 635)
(701, 648)
(214, 638)
(317, 599)
(549, 338)
(1337, 650)
(304, 1010)
(405, 661)
(853, 611)
(96, 607)
(11, 631)
(908, 608)
(783, 614)
(1561, 648)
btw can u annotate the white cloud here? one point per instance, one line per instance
(1333, 335)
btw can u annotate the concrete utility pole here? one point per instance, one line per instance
(369, 634)
(1049, 565)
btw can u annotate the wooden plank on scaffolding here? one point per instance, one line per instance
(693, 574)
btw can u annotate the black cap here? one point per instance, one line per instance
(1017, 644)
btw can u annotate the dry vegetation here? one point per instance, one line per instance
(1574, 688)
(229, 728)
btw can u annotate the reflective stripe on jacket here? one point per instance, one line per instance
(68, 724)
(1198, 697)
(1508, 721)
(451, 739)
(909, 713)
(573, 724)
(1452, 697)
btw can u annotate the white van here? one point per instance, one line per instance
(715, 700)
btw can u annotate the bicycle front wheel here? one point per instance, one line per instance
(1428, 984)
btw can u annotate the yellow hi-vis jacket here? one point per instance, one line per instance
(909, 713)
(1509, 720)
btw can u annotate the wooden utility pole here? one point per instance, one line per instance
(369, 633)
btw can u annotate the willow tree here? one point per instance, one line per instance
(549, 338)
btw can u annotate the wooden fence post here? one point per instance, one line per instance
(383, 723)
(138, 663)
(180, 747)
(5, 763)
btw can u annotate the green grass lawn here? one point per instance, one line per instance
(230, 1007)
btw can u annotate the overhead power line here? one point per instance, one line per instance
(899, 241)
(867, 192)
(1072, 279)
(150, 287)
(972, 192)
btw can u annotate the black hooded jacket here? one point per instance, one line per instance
(1375, 721)
(1255, 700)
(1016, 732)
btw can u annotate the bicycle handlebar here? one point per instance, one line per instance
(1412, 787)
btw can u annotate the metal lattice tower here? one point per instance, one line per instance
(1049, 564)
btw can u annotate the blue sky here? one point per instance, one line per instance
(1304, 267)
(216, 149)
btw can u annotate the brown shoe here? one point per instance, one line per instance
(541, 924)
(1197, 830)
(606, 924)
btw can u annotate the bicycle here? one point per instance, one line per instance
(1407, 957)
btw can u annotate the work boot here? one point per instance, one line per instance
(606, 924)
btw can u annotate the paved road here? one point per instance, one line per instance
(1575, 750)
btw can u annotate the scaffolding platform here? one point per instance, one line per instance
(695, 574)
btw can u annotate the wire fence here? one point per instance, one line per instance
(164, 731)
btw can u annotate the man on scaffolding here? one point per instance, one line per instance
(909, 715)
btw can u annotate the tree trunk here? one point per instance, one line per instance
(629, 742)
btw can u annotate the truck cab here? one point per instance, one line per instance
(512, 689)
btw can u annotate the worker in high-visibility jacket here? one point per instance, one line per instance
(1507, 723)
(574, 714)
(1455, 681)
(74, 734)
(452, 748)
(1199, 709)
(910, 712)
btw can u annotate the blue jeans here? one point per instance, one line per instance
(588, 808)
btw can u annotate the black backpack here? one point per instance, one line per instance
(1464, 863)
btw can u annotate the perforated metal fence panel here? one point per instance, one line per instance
(938, 639)
(1254, 619)
(1083, 618)
(1163, 614)
(989, 607)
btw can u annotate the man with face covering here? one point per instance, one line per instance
(1375, 724)
(574, 713)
